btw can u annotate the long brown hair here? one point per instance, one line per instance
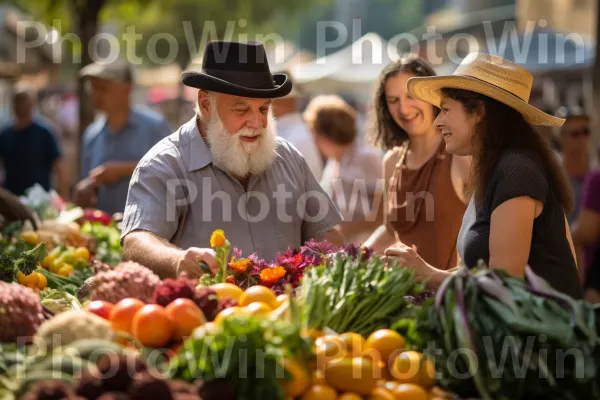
(383, 131)
(503, 128)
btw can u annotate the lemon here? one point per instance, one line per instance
(228, 290)
(259, 293)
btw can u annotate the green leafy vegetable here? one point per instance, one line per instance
(354, 295)
(26, 262)
(494, 336)
(68, 284)
(247, 352)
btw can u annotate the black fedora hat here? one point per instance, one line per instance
(239, 69)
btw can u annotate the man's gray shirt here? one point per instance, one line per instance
(177, 193)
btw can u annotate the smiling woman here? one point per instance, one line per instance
(517, 214)
(424, 183)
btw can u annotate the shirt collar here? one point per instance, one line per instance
(200, 155)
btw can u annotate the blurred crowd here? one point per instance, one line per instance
(345, 155)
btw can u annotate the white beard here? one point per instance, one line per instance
(237, 157)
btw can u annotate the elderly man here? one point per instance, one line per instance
(114, 143)
(225, 169)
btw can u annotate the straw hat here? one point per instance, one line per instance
(491, 76)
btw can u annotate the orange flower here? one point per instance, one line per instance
(239, 266)
(272, 275)
(217, 239)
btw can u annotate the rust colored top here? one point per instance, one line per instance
(424, 209)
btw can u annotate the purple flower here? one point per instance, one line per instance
(319, 247)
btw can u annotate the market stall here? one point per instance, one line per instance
(317, 322)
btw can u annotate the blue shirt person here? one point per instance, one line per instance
(113, 144)
(29, 150)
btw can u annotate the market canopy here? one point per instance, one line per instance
(353, 68)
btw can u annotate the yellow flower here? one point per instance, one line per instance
(239, 266)
(217, 239)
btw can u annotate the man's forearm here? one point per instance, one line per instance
(152, 252)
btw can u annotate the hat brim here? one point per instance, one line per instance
(200, 80)
(428, 89)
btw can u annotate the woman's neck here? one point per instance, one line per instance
(422, 147)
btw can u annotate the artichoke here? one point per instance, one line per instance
(20, 312)
(128, 279)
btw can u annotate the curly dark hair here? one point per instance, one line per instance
(384, 132)
(501, 129)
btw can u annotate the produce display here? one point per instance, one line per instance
(515, 335)
(317, 322)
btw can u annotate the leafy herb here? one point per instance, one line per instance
(354, 295)
(247, 352)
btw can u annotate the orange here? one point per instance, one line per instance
(151, 326)
(385, 344)
(357, 375)
(330, 346)
(413, 367)
(299, 380)
(185, 316)
(320, 392)
(259, 293)
(355, 343)
(258, 308)
(121, 315)
(350, 396)
(410, 391)
(381, 394)
(227, 290)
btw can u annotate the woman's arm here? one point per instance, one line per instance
(383, 237)
(408, 257)
(511, 229)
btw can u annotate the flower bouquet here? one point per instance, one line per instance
(286, 268)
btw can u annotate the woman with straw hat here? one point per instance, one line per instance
(520, 194)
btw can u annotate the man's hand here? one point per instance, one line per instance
(189, 263)
(85, 194)
(107, 174)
